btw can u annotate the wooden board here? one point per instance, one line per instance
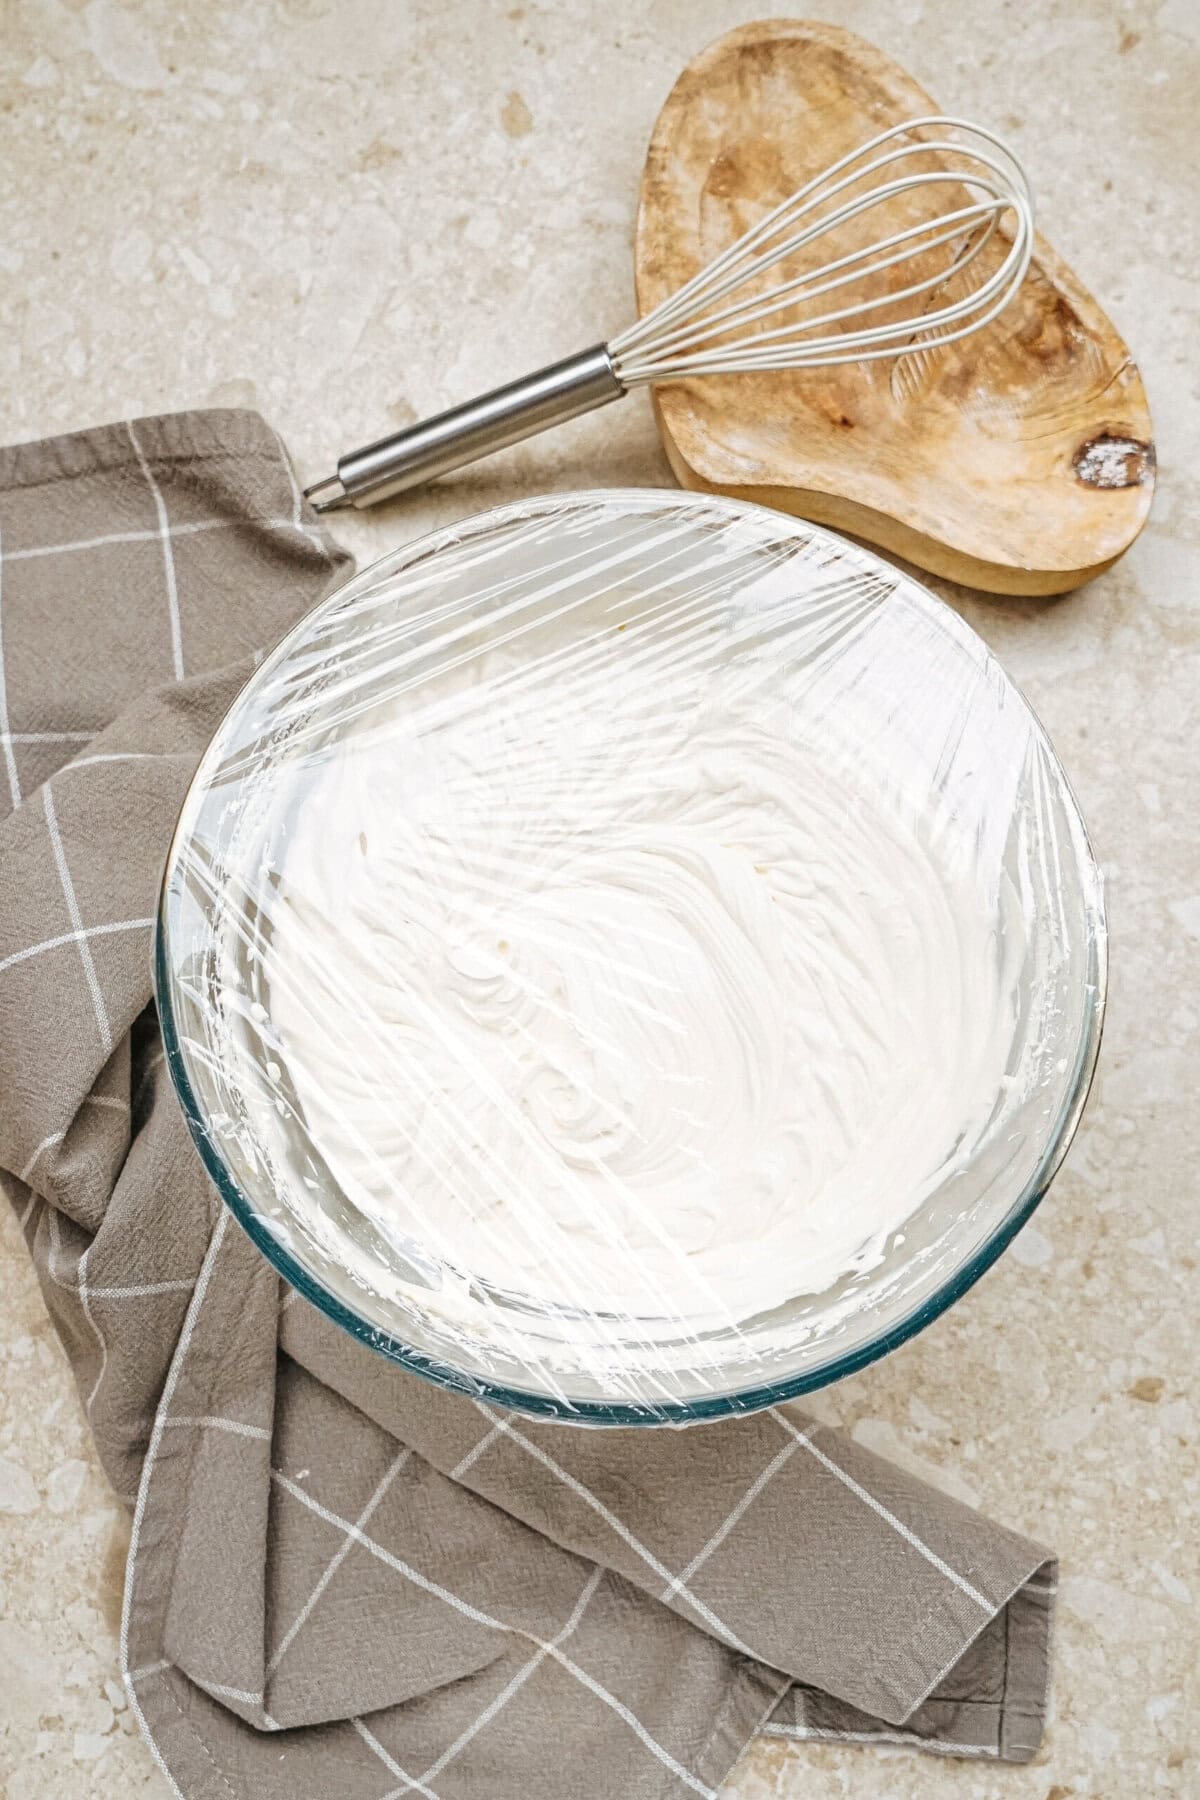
(1019, 460)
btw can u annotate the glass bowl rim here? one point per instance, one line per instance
(707, 1407)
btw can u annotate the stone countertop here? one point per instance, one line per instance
(347, 213)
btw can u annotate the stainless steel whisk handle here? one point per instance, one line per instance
(433, 447)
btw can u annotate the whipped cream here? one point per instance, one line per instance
(611, 989)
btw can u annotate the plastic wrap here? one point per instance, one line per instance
(631, 955)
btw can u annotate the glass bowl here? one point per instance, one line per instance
(866, 669)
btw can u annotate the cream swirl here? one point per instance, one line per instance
(638, 1005)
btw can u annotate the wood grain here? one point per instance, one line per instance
(1019, 460)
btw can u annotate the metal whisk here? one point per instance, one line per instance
(962, 186)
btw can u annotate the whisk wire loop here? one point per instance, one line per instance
(901, 243)
(669, 343)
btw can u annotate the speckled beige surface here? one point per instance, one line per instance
(346, 211)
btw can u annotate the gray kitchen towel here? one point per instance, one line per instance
(342, 1581)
